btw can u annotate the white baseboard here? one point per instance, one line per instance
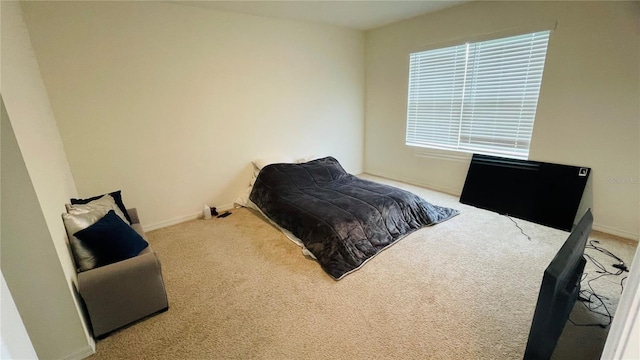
(614, 231)
(170, 222)
(82, 353)
(182, 219)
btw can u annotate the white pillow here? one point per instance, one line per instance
(103, 205)
(277, 159)
(84, 257)
(258, 164)
(308, 158)
(243, 199)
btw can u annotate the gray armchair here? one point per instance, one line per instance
(120, 293)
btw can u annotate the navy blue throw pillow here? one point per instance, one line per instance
(117, 196)
(112, 240)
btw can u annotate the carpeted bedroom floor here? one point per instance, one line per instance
(463, 289)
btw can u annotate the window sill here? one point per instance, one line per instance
(441, 154)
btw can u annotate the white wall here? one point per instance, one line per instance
(30, 264)
(170, 102)
(623, 341)
(32, 119)
(14, 340)
(588, 112)
(36, 262)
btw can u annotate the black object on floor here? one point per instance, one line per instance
(224, 214)
(558, 292)
(544, 193)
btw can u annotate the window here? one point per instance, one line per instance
(477, 97)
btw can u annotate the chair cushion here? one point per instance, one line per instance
(111, 240)
(117, 196)
(104, 204)
(82, 254)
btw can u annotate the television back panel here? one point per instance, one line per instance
(545, 193)
(558, 292)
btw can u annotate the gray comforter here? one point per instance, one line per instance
(343, 220)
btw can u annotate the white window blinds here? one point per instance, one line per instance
(477, 97)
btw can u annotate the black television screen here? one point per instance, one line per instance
(544, 193)
(558, 292)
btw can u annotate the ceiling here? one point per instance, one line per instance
(361, 15)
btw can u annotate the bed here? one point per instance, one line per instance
(341, 220)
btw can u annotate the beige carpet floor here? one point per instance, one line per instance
(463, 289)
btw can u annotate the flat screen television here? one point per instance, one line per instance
(544, 193)
(558, 292)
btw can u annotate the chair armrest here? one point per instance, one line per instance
(93, 283)
(120, 293)
(133, 214)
